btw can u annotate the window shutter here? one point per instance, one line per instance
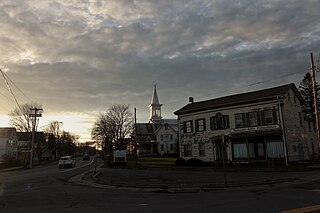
(274, 114)
(184, 127)
(263, 119)
(197, 125)
(226, 122)
(213, 123)
(191, 126)
(259, 118)
(245, 118)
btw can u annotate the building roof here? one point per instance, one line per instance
(243, 98)
(170, 121)
(27, 136)
(145, 128)
(6, 132)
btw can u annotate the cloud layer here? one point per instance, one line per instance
(84, 55)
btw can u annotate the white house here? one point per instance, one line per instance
(254, 126)
(159, 136)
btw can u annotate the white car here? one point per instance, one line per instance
(67, 161)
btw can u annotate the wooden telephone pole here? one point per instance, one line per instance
(314, 84)
(36, 113)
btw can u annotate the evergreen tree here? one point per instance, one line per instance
(306, 91)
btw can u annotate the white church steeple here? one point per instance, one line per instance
(155, 107)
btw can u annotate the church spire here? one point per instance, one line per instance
(155, 107)
(155, 99)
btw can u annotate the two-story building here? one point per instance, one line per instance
(253, 126)
(8, 139)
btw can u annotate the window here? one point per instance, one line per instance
(275, 149)
(171, 137)
(187, 150)
(166, 137)
(253, 118)
(219, 122)
(200, 125)
(240, 120)
(161, 137)
(162, 147)
(288, 96)
(187, 127)
(171, 147)
(240, 150)
(201, 149)
(269, 117)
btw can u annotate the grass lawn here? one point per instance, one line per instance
(152, 161)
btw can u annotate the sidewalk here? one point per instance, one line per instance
(36, 164)
(196, 179)
(11, 169)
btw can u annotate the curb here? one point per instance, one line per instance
(92, 182)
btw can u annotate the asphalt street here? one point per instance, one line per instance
(45, 189)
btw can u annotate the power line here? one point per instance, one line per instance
(17, 87)
(8, 85)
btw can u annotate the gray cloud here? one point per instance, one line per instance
(82, 56)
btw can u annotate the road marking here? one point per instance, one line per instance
(304, 209)
(142, 204)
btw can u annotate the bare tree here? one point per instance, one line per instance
(20, 119)
(52, 133)
(112, 127)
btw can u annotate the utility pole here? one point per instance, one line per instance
(35, 115)
(135, 136)
(314, 84)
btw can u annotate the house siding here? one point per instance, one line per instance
(294, 139)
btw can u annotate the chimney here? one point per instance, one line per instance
(191, 100)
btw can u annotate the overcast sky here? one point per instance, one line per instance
(78, 57)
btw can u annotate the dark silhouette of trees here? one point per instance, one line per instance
(52, 133)
(67, 144)
(111, 128)
(20, 119)
(306, 91)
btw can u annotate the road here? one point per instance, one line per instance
(44, 189)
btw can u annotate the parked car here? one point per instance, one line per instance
(67, 161)
(86, 157)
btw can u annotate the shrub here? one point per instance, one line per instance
(194, 162)
(9, 161)
(180, 162)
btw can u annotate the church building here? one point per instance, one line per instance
(159, 136)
